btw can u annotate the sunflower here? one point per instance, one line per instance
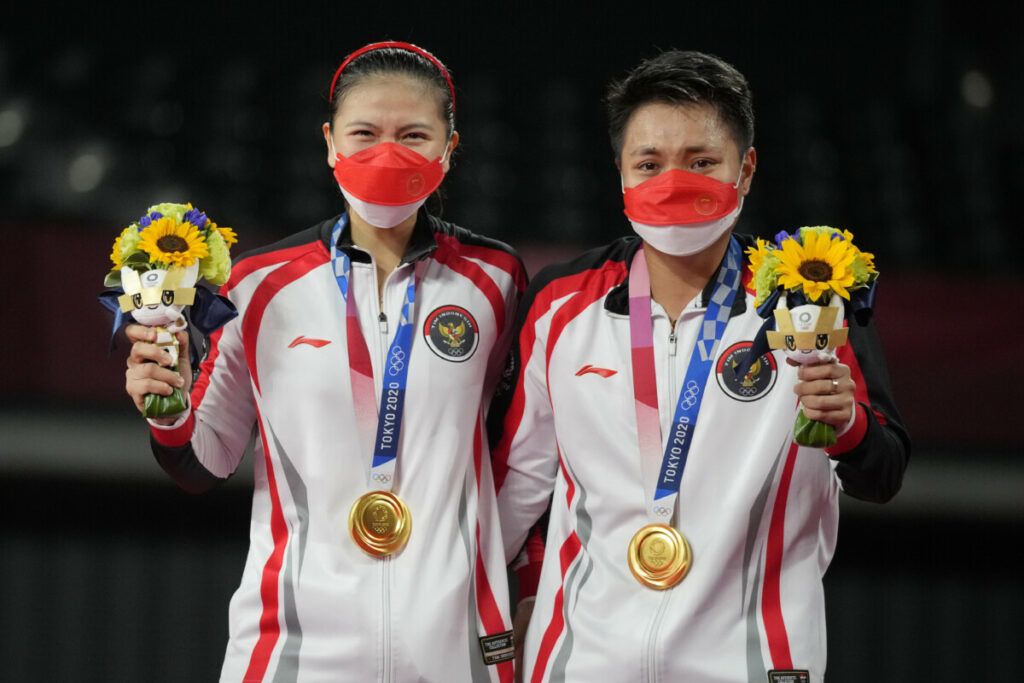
(115, 253)
(172, 243)
(764, 264)
(229, 235)
(819, 265)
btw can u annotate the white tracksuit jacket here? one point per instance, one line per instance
(760, 513)
(312, 606)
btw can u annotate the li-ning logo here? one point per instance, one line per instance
(600, 372)
(315, 343)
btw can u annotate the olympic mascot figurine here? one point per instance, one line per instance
(158, 261)
(802, 281)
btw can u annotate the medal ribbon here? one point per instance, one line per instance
(645, 386)
(387, 420)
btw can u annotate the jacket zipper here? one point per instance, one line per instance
(385, 562)
(651, 660)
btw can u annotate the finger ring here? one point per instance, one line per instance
(835, 386)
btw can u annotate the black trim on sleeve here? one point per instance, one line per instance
(873, 470)
(184, 468)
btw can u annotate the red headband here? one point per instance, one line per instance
(408, 47)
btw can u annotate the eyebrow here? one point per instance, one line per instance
(692, 149)
(415, 124)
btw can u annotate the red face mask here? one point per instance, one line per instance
(388, 174)
(679, 197)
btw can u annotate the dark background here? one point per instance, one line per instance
(898, 122)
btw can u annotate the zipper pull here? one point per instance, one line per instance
(672, 343)
(382, 320)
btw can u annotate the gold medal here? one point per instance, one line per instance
(659, 556)
(380, 523)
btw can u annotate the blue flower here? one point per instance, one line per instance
(146, 221)
(195, 217)
(781, 237)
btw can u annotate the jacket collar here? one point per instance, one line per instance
(616, 301)
(421, 243)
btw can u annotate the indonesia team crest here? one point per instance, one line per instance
(757, 381)
(452, 333)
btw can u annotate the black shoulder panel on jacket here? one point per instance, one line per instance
(467, 237)
(320, 232)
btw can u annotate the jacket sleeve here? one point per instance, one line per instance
(871, 457)
(521, 429)
(206, 444)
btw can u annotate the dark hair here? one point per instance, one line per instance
(388, 61)
(678, 77)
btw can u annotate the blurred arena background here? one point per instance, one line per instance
(899, 121)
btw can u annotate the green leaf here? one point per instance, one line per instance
(139, 259)
(113, 279)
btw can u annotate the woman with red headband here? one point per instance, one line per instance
(364, 350)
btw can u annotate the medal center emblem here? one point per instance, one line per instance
(659, 556)
(379, 519)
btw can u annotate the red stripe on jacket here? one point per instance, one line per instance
(250, 264)
(315, 255)
(486, 604)
(852, 438)
(310, 257)
(270, 627)
(491, 256)
(479, 277)
(571, 547)
(771, 596)
(542, 303)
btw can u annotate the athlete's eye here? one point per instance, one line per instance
(821, 341)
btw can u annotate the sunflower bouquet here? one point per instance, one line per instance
(802, 281)
(157, 262)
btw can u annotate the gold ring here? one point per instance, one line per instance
(835, 386)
